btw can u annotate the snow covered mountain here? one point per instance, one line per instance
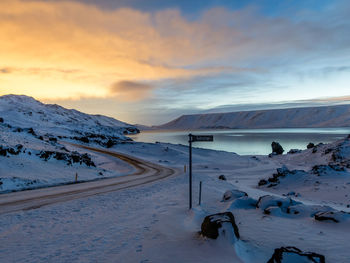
(26, 112)
(36, 144)
(309, 117)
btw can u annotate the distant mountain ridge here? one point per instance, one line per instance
(307, 117)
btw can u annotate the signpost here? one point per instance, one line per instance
(195, 138)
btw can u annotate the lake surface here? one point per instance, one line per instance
(249, 141)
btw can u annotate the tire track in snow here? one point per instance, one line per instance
(146, 172)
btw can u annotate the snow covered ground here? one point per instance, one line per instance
(152, 223)
(300, 200)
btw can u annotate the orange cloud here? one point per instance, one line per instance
(66, 49)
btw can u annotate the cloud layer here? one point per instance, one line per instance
(68, 50)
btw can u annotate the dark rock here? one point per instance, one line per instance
(110, 143)
(45, 155)
(82, 139)
(53, 139)
(324, 216)
(1, 120)
(3, 152)
(320, 170)
(281, 173)
(212, 223)
(293, 254)
(294, 151)
(41, 138)
(277, 148)
(31, 131)
(262, 182)
(222, 177)
(310, 145)
(131, 130)
(19, 147)
(75, 157)
(85, 158)
(8, 150)
(335, 216)
(329, 150)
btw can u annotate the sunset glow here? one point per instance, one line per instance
(75, 52)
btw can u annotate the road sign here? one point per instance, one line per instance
(201, 138)
(195, 138)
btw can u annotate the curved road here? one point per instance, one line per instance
(145, 172)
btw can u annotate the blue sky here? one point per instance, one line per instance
(150, 61)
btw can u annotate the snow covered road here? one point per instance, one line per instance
(145, 172)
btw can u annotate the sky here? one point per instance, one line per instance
(148, 62)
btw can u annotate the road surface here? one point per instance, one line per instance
(145, 172)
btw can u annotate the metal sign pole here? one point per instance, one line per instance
(195, 138)
(190, 170)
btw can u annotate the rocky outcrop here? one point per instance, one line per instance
(293, 254)
(212, 225)
(69, 158)
(332, 216)
(276, 148)
(9, 150)
(310, 145)
(281, 173)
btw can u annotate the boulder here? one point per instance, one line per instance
(310, 145)
(334, 216)
(293, 254)
(213, 224)
(233, 194)
(277, 148)
(222, 177)
(267, 201)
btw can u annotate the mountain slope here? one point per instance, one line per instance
(311, 117)
(35, 149)
(26, 112)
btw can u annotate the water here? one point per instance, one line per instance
(249, 141)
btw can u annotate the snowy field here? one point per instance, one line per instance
(296, 200)
(152, 223)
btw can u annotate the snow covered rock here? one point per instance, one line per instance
(335, 216)
(277, 148)
(267, 202)
(295, 255)
(218, 224)
(320, 170)
(233, 194)
(281, 173)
